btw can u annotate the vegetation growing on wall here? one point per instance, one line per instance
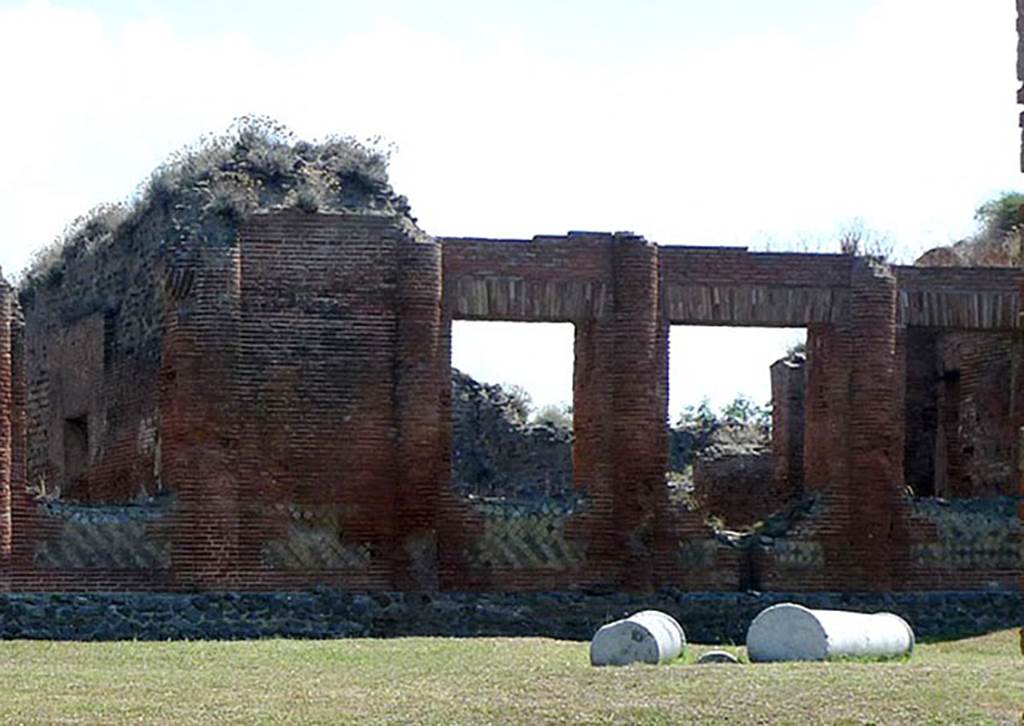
(999, 241)
(855, 238)
(206, 189)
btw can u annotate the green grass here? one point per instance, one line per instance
(533, 680)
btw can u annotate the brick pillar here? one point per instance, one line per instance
(199, 418)
(666, 538)
(825, 410)
(593, 461)
(418, 404)
(638, 415)
(874, 428)
(789, 379)
(7, 421)
(26, 526)
(20, 497)
(900, 396)
(853, 437)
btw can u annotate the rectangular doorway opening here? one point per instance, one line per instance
(512, 410)
(76, 450)
(736, 421)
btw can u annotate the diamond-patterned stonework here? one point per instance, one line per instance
(972, 535)
(314, 542)
(795, 554)
(526, 537)
(106, 537)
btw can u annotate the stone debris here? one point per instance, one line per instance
(717, 656)
(498, 454)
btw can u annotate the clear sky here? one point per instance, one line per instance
(734, 122)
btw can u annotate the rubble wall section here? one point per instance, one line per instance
(709, 617)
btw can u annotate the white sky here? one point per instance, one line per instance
(768, 124)
(501, 352)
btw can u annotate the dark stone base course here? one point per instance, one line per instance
(707, 617)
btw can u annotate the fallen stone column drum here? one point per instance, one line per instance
(649, 636)
(792, 632)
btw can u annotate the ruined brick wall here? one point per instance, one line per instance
(733, 479)
(961, 358)
(960, 426)
(856, 438)
(249, 385)
(318, 335)
(737, 489)
(979, 368)
(93, 337)
(91, 508)
(583, 540)
(861, 533)
(962, 417)
(495, 453)
(853, 448)
(284, 424)
(300, 389)
(735, 287)
(970, 543)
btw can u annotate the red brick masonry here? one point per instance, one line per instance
(275, 414)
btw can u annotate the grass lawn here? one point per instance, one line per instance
(441, 680)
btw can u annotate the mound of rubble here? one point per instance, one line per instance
(200, 195)
(498, 454)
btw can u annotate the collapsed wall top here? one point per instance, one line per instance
(201, 194)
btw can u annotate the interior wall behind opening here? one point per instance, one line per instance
(736, 420)
(512, 407)
(959, 419)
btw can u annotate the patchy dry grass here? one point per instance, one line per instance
(980, 680)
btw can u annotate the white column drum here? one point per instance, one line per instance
(649, 636)
(792, 632)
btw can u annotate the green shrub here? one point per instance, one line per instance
(1001, 215)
